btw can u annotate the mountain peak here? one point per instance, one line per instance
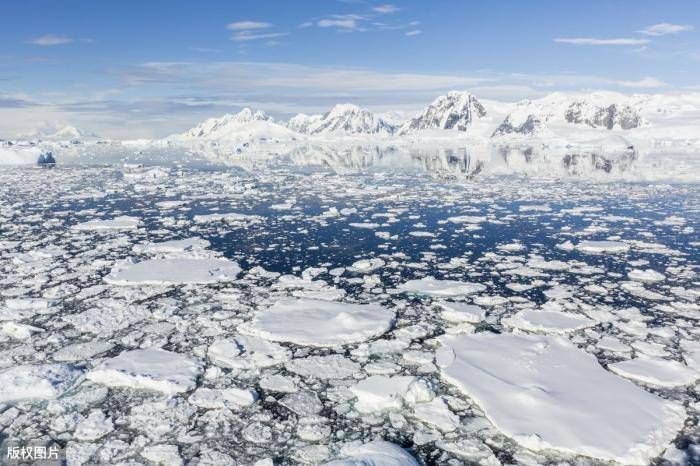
(341, 119)
(455, 110)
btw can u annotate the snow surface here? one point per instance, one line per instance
(547, 394)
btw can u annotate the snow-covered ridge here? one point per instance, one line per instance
(453, 111)
(56, 132)
(244, 124)
(342, 119)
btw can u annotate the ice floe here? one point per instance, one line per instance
(440, 288)
(174, 272)
(320, 323)
(36, 382)
(152, 369)
(656, 371)
(545, 321)
(547, 394)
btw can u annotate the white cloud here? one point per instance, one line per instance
(593, 41)
(346, 22)
(248, 25)
(49, 40)
(644, 83)
(385, 9)
(245, 36)
(661, 29)
(415, 32)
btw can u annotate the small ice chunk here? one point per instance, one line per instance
(376, 453)
(436, 413)
(118, 223)
(173, 246)
(174, 272)
(444, 288)
(367, 265)
(247, 352)
(333, 366)
(603, 247)
(656, 371)
(163, 455)
(646, 276)
(461, 312)
(315, 322)
(81, 351)
(547, 321)
(305, 403)
(94, 427)
(220, 398)
(378, 393)
(152, 369)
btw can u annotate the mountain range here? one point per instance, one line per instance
(457, 115)
(463, 115)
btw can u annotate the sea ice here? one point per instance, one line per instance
(333, 366)
(547, 321)
(173, 246)
(441, 288)
(656, 371)
(247, 352)
(378, 393)
(547, 394)
(376, 453)
(646, 276)
(461, 312)
(603, 247)
(174, 272)
(315, 322)
(117, 223)
(152, 369)
(36, 382)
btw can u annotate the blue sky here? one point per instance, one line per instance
(147, 68)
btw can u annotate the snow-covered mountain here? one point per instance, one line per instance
(343, 119)
(244, 125)
(597, 110)
(304, 124)
(57, 132)
(453, 111)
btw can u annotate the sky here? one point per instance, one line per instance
(130, 69)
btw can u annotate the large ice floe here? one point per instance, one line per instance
(317, 322)
(545, 393)
(180, 271)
